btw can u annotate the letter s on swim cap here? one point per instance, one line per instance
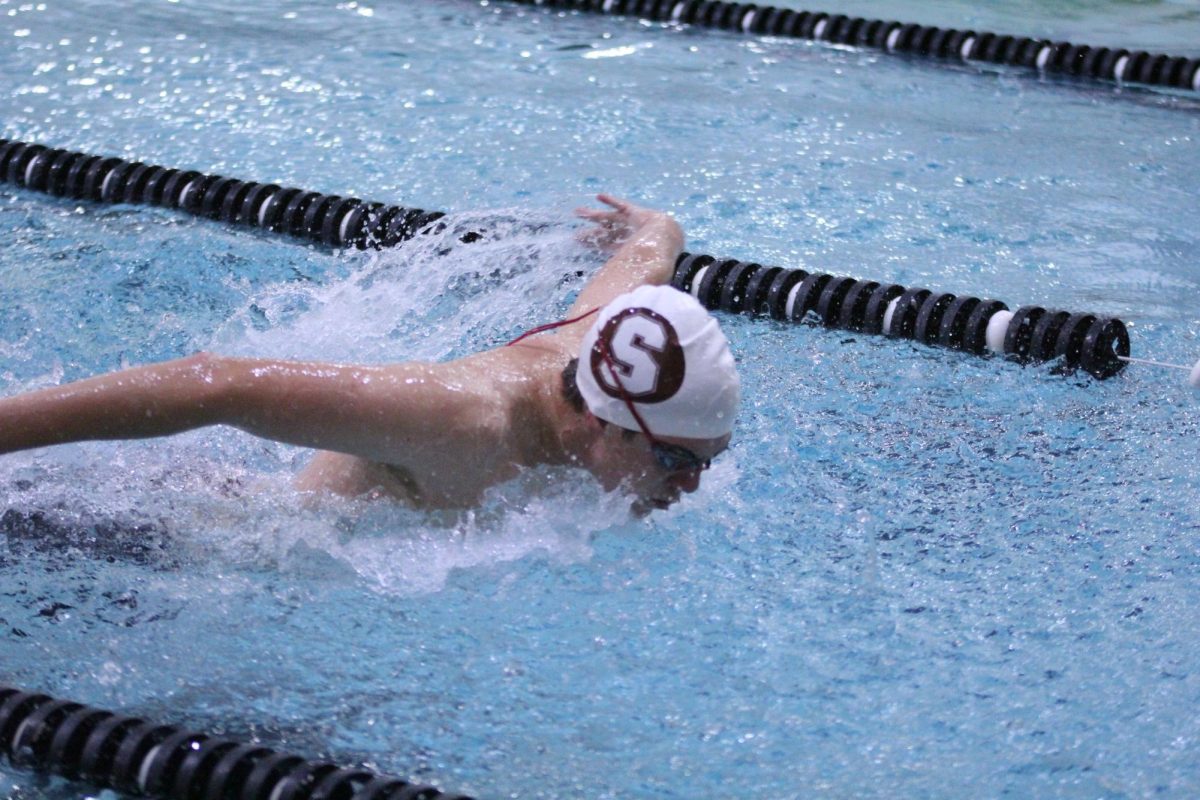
(672, 360)
(645, 353)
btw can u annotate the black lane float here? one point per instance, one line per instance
(1031, 334)
(1096, 344)
(1042, 55)
(326, 219)
(134, 756)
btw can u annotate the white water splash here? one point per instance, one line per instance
(218, 496)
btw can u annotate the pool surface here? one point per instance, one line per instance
(916, 573)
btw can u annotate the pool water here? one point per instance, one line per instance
(915, 573)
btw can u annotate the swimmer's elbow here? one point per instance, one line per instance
(214, 386)
(202, 364)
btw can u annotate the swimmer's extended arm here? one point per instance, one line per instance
(156, 400)
(405, 413)
(385, 413)
(647, 244)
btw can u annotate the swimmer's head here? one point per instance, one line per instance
(656, 361)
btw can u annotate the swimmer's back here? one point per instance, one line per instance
(488, 420)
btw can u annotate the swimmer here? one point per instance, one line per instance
(637, 386)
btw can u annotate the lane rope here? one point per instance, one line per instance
(326, 219)
(944, 44)
(134, 756)
(1031, 334)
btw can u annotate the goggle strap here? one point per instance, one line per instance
(549, 326)
(608, 362)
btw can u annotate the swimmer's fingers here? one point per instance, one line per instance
(608, 223)
(622, 209)
(601, 237)
(596, 215)
(612, 227)
(627, 213)
(622, 206)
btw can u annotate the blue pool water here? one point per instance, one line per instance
(915, 574)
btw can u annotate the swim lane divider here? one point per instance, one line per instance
(131, 755)
(327, 219)
(1030, 334)
(1042, 55)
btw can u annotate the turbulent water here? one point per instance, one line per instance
(915, 573)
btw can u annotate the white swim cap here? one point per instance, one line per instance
(672, 362)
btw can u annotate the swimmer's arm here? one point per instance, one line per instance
(379, 413)
(155, 400)
(647, 256)
(395, 414)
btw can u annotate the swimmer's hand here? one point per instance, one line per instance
(642, 246)
(612, 228)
